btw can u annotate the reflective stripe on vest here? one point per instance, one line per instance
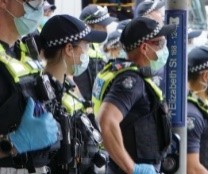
(16, 68)
(71, 104)
(105, 77)
(34, 66)
(203, 106)
(94, 52)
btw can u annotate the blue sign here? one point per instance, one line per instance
(176, 67)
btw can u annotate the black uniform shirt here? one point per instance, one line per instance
(126, 89)
(197, 126)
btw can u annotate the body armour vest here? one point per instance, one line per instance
(84, 136)
(19, 77)
(71, 104)
(146, 137)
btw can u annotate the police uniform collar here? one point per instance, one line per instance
(11, 51)
(4, 45)
(202, 104)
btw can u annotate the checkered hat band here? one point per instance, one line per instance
(95, 21)
(112, 42)
(199, 67)
(145, 38)
(67, 39)
(154, 5)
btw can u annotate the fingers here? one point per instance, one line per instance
(49, 123)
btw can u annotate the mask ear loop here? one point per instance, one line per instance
(73, 68)
(64, 60)
(146, 54)
(10, 13)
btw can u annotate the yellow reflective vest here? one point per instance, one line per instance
(106, 77)
(16, 68)
(71, 104)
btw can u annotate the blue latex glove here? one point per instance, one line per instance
(144, 169)
(33, 132)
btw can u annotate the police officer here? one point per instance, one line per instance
(125, 101)
(74, 37)
(48, 12)
(65, 42)
(18, 119)
(97, 18)
(197, 120)
(192, 35)
(153, 9)
(113, 48)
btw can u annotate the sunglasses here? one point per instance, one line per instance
(159, 43)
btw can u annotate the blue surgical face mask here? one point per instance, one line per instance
(162, 57)
(29, 22)
(108, 55)
(122, 54)
(43, 21)
(80, 68)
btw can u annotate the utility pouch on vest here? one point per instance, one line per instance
(162, 118)
(45, 91)
(86, 140)
(65, 152)
(164, 126)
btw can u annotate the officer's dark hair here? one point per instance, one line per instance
(193, 76)
(197, 62)
(51, 53)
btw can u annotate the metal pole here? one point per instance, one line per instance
(176, 75)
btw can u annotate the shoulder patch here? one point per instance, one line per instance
(190, 123)
(97, 88)
(128, 82)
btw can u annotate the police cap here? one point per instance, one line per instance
(194, 33)
(198, 59)
(62, 29)
(113, 40)
(146, 7)
(95, 14)
(121, 25)
(142, 29)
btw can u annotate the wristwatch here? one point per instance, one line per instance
(6, 147)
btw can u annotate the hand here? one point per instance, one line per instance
(144, 169)
(34, 133)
